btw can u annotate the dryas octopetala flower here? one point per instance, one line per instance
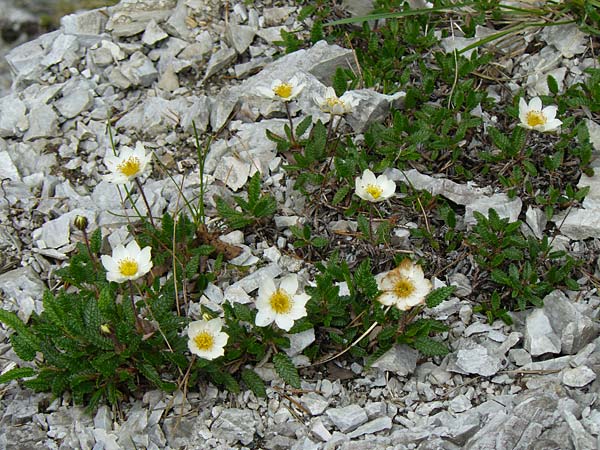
(374, 189)
(129, 164)
(281, 90)
(280, 304)
(404, 287)
(127, 263)
(206, 339)
(533, 117)
(333, 104)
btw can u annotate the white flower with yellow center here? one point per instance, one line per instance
(334, 105)
(280, 304)
(282, 90)
(373, 189)
(533, 117)
(404, 287)
(127, 263)
(206, 339)
(129, 164)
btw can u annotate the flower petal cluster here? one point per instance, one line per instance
(373, 189)
(404, 287)
(127, 263)
(533, 117)
(129, 164)
(334, 105)
(282, 90)
(281, 304)
(205, 338)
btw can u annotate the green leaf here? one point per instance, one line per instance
(320, 242)
(96, 241)
(552, 84)
(437, 296)
(430, 347)
(303, 126)
(17, 373)
(254, 383)
(152, 375)
(500, 140)
(340, 194)
(286, 370)
(23, 347)
(498, 276)
(254, 189)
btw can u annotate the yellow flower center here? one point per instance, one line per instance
(128, 267)
(535, 118)
(284, 90)
(204, 340)
(130, 167)
(281, 302)
(334, 101)
(404, 288)
(374, 190)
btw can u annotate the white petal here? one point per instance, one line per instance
(266, 288)
(387, 299)
(264, 317)
(289, 284)
(284, 322)
(265, 92)
(221, 339)
(549, 112)
(535, 104)
(195, 327)
(109, 263)
(214, 325)
(115, 276)
(389, 187)
(133, 249)
(552, 125)
(368, 177)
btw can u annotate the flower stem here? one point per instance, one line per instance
(139, 185)
(86, 239)
(138, 323)
(289, 115)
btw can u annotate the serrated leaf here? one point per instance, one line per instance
(320, 242)
(430, 347)
(500, 140)
(254, 383)
(437, 296)
(286, 370)
(96, 241)
(17, 373)
(22, 347)
(340, 194)
(498, 276)
(254, 189)
(303, 126)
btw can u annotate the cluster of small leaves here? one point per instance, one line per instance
(346, 317)
(91, 342)
(253, 211)
(523, 269)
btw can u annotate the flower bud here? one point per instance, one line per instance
(105, 328)
(80, 222)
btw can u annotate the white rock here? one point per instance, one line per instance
(240, 36)
(43, 123)
(374, 426)
(568, 39)
(315, 404)
(13, 118)
(578, 377)
(153, 33)
(478, 360)
(219, 60)
(400, 360)
(74, 103)
(540, 337)
(299, 341)
(348, 417)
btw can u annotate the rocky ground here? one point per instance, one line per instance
(153, 67)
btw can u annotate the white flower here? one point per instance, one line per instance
(280, 90)
(533, 117)
(333, 104)
(127, 263)
(206, 339)
(404, 287)
(129, 164)
(281, 304)
(374, 189)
